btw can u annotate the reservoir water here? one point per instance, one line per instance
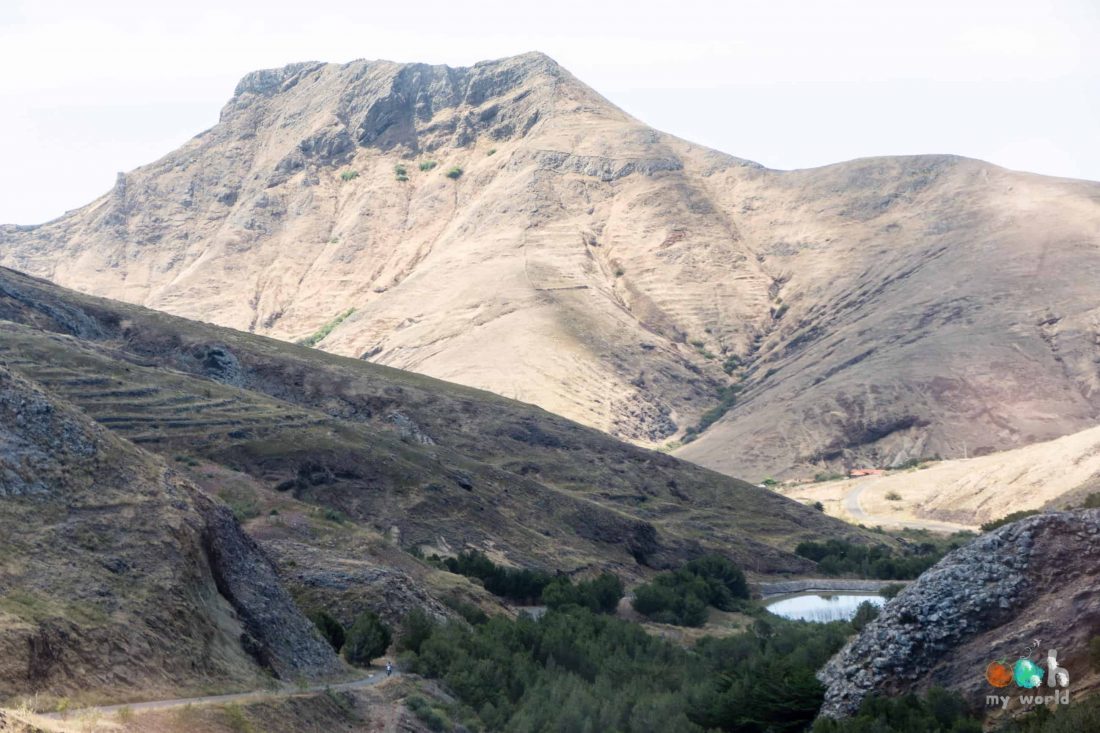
(821, 606)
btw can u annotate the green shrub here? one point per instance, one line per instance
(893, 496)
(1092, 501)
(428, 715)
(891, 590)
(330, 628)
(416, 627)
(243, 509)
(866, 612)
(323, 332)
(518, 585)
(367, 639)
(454, 173)
(600, 595)
(727, 398)
(400, 172)
(427, 165)
(838, 557)
(681, 597)
(348, 175)
(468, 611)
(1009, 519)
(235, 719)
(492, 151)
(730, 365)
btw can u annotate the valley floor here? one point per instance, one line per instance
(961, 494)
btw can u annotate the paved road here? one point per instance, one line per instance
(854, 509)
(372, 679)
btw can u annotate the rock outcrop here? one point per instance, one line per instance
(117, 576)
(1022, 590)
(505, 227)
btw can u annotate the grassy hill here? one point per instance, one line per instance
(426, 463)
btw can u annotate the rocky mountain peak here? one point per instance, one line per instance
(411, 107)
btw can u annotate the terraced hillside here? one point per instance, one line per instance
(425, 463)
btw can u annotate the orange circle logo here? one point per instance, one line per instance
(998, 674)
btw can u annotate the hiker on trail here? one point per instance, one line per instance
(389, 668)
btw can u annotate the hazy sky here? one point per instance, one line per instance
(92, 88)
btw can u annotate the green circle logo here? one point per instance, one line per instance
(1027, 673)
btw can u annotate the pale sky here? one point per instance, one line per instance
(93, 88)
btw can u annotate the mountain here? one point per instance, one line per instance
(118, 576)
(505, 227)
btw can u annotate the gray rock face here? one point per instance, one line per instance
(29, 424)
(1035, 579)
(346, 586)
(275, 632)
(408, 429)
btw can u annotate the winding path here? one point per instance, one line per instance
(372, 679)
(854, 509)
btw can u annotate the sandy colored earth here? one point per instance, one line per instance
(964, 493)
(870, 312)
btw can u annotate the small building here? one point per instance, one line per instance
(859, 472)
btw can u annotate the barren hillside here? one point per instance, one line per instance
(505, 227)
(1058, 473)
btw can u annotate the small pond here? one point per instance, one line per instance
(820, 606)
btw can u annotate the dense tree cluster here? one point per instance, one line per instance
(837, 557)
(681, 597)
(367, 639)
(577, 670)
(601, 594)
(515, 584)
(939, 712)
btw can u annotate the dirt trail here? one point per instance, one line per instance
(372, 679)
(854, 509)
